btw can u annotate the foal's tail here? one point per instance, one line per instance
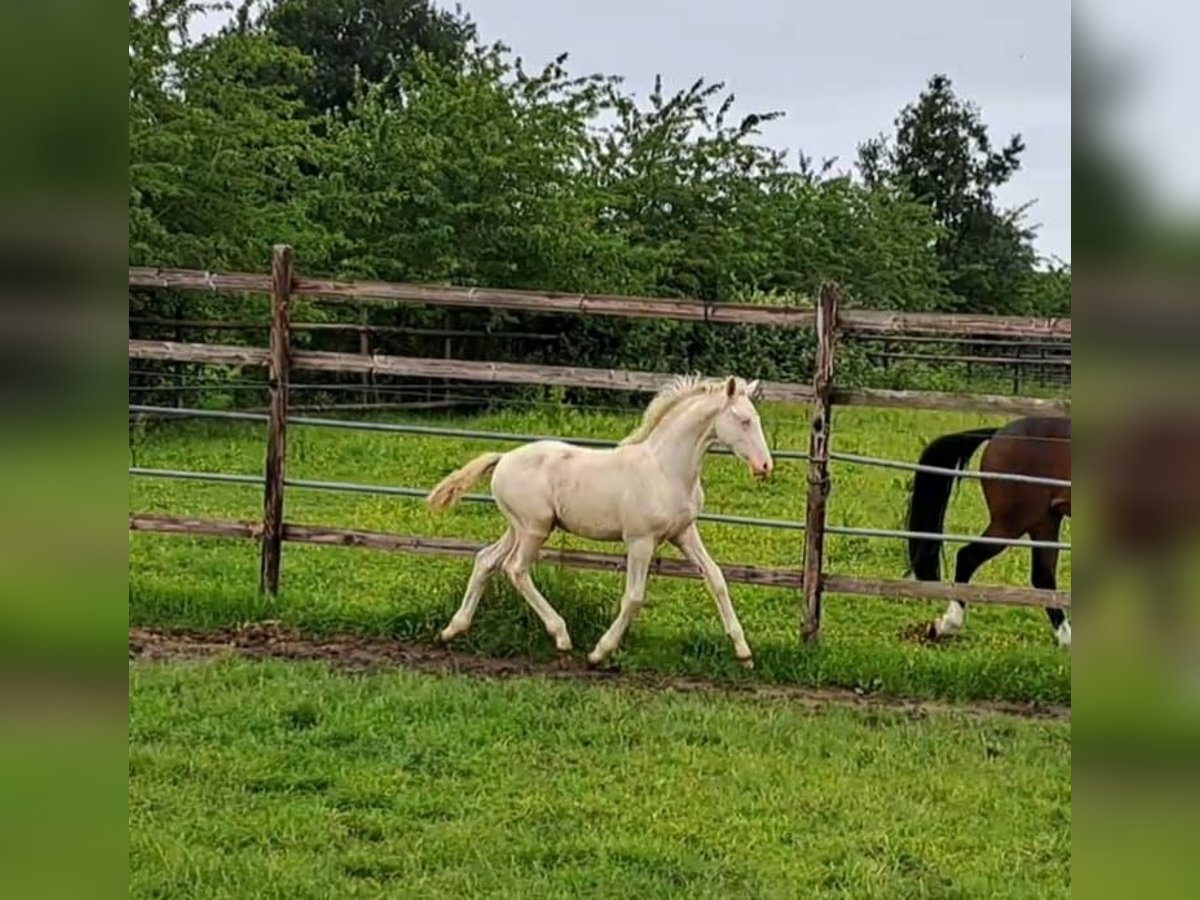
(931, 495)
(453, 486)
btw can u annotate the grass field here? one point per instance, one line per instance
(1004, 653)
(289, 780)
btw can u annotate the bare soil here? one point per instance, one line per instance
(267, 640)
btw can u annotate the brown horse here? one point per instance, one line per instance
(1037, 447)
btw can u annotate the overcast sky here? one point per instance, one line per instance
(839, 69)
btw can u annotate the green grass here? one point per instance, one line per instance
(291, 781)
(1005, 653)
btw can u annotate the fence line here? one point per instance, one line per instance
(983, 360)
(380, 364)
(353, 327)
(418, 493)
(882, 398)
(473, 393)
(720, 518)
(514, 437)
(415, 390)
(1063, 343)
(607, 562)
(860, 321)
(939, 470)
(400, 428)
(574, 376)
(391, 294)
(827, 318)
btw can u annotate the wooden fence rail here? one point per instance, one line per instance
(380, 364)
(856, 321)
(830, 319)
(348, 327)
(575, 376)
(738, 573)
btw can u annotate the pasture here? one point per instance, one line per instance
(274, 779)
(1004, 653)
(286, 778)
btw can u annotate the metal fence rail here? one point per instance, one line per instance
(427, 430)
(393, 491)
(939, 470)
(515, 437)
(720, 518)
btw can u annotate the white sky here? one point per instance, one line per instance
(839, 70)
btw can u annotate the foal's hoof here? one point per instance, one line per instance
(446, 635)
(746, 662)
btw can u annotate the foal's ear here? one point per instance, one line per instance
(731, 388)
(752, 389)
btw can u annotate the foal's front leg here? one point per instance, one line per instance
(693, 548)
(637, 564)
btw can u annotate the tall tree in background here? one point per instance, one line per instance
(355, 41)
(943, 157)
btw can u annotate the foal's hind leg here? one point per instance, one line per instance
(487, 561)
(1045, 573)
(516, 567)
(969, 559)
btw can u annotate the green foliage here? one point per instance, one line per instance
(943, 157)
(443, 160)
(355, 42)
(469, 179)
(216, 160)
(1050, 291)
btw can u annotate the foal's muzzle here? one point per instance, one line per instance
(762, 470)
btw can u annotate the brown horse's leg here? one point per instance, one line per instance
(1045, 573)
(969, 559)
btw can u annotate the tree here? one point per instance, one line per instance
(215, 157)
(356, 41)
(479, 172)
(943, 157)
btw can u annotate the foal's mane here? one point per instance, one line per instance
(683, 387)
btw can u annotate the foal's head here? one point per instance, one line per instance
(739, 428)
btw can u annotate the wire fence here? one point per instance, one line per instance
(721, 518)
(939, 470)
(529, 381)
(451, 390)
(426, 430)
(517, 437)
(388, 490)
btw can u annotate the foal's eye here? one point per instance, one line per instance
(745, 423)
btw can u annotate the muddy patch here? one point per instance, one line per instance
(269, 640)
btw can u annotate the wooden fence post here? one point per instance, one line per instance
(277, 376)
(818, 458)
